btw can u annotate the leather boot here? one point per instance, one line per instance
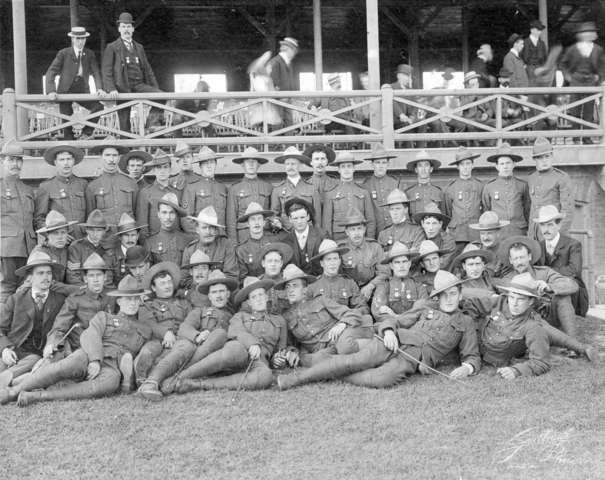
(215, 341)
(72, 367)
(145, 360)
(170, 364)
(149, 391)
(127, 371)
(232, 356)
(184, 385)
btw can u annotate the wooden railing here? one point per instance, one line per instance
(430, 117)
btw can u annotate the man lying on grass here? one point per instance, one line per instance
(414, 341)
(108, 346)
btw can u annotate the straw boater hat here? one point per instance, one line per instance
(471, 251)
(346, 157)
(140, 154)
(249, 153)
(541, 147)
(290, 42)
(200, 258)
(523, 284)
(160, 157)
(532, 245)
(468, 76)
(328, 246)
(172, 200)
(293, 152)
(181, 149)
(292, 272)
(108, 142)
(353, 217)
(300, 201)
(330, 154)
(78, 32)
(489, 221)
(428, 247)
(96, 219)
(217, 277)
(398, 250)
(127, 224)
(128, 287)
(445, 280)
(255, 209)
(170, 267)
(38, 258)
(208, 216)
(504, 150)
(12, 149)
(548, 213)
(404, 68)
(51, 153)
(423, 156)
(205, 154)
(251, 284)
(136, 255)
(395, 197)
(54, 221)
(464, 153)
(282, 248)
(431, 209)
(94, 262)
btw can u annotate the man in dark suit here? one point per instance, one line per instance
(562, 253)
(75, 65)
(125, 67)
(282, 73)
(534, 51)
(27, 317)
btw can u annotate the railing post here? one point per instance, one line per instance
(9, 114)
(499, 118)
(602, 113)
(388, 128)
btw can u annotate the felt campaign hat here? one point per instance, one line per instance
(51, 153)
(108, 142)
(208, 216)
(346, 157)
(205, 154)
(292, 272)
(283, 249)
(523, 284)
(421, 156)
(39, 258)
(94, 262)
(217, 277)
(249, 153)
(443, 281)
(170, 267)
(293, 152)
(504, 150)
(136, 255)
(328, 246)
(431, 209)
(128, 287)
(300, 201)
(398, 250)
(489, 221)
(200, 258)
(464, 153)
(541, 147)
(378, 152)
(160, 157)
(395, 197)
(255, 209)
(330, 154)
(428, 247)
(532, 245)
(172, 200)
(182, 148)
(140, 154)
(54, 221)
(353, 217)
(471, 251)
(96, 219)
(251, 284)
(127, 224)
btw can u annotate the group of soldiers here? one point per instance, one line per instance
(173, 283)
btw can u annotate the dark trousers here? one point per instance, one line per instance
(8, 280)
(79, 86)
(124, 113)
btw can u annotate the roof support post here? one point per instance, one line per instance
(20, 60)
(317, 45)
(373, 57)
(543, 15)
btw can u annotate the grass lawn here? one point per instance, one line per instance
(547, 427)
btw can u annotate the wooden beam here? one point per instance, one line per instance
(317, 45)
(543, 17)
(398, 23)
(20, 59)
(563, 20)
(150, 8)
(373, 56)
(465, 47)
(253, 21)
(74, 13)
(431, 16)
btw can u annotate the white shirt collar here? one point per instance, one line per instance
(585, 48)
(285, 57)
(553, 243)
(514, 52)
(41, 292)
(302, 237)
(123, 249)
(295, 180)
(534, 40)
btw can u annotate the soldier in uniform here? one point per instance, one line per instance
(55, 237)
(380, 185)
(95, 227)
(199, 268)
(148, 197)
(108, 346)
(424, 191)
(471, 265)
(434, 224)
(490, 233)
(293, 186)
(138, 262)
(427, 263)
(507, 195)
(218, 248)
(206, 192)
(65, 192)
(128, 235)
(17, 238)
(346, 195)
(133, 165)
(250, 189)
(462, 199)
(113, 193)
(321, 156)
(548, 186)
(401, 229)
(183, 163)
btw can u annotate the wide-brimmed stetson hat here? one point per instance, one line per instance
(108, 142)
(78, 32)
(12, 149)
(428, 247)
(217, 277)
(38, 258)
(300, 201)
(172, 200)
(96, 219)
(378, 152)
(128, 287)
(548, 213)
(251, 284)
(51, 153)
(471, 251)
(283, 249)
(140, 154)
(541, 147)
(94, 262)
(330, 154)
(136, 255)
(328, 246)
(431, 209)
(293, 152)
(532, 246)
(160, 157)
(395, 197)
(464, 153)
(208, 216)
(54, 221)
(170, 267)
(182, 148)
(504, 150)
(255, 209)
(249, 153)
(489, 221)
(200, 258)
(423, 156)
(127, 224)
(444, 280)
(205, 154)
(399, 250)
(292, 272)
(523, 284)
(346, 157)
(353, 217)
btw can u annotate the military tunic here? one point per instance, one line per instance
(204, 193)
(239, 196)
(184, 178)
(286, 190)
(220, 250)
(339, 201)
(552, 187)
(78, 252)
(168, 245)
(113, 194)
(509, 198)
(63, 194)
(407, 233)
(147, 207)
(462, 200)
(379, 189)
(422, 194)
(164, 314)
(445, 242)
(340, 289)
(248, 256)
(17, 237)
(399, 294)
(322, 183)
(269, 332)
(206, 318)
(361, 262)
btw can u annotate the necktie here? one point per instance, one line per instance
(79, 64)
(39, 299)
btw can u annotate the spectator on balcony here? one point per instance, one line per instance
(65, 192)
(482, 65)
(261, 81)
(403, 114)
(126, 68)
(132, 164)
(282, 72)
(74, 66)
(514, 63)
(511, 111)
(481, 113)
(424, 191)
(337, 103)
(362, 114)
(534, 52)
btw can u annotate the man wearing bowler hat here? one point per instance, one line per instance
(126, 68)
(75, 65)
(534, 51)
(65, 192)
(423, 165)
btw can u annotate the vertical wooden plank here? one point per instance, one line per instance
(317, 44)
(20, 60)
(465, 49)
(373, 57)
(543, 15)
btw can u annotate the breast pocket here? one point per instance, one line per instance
(220, 202)
(126, 199)
(102, 199)
(10, 203)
